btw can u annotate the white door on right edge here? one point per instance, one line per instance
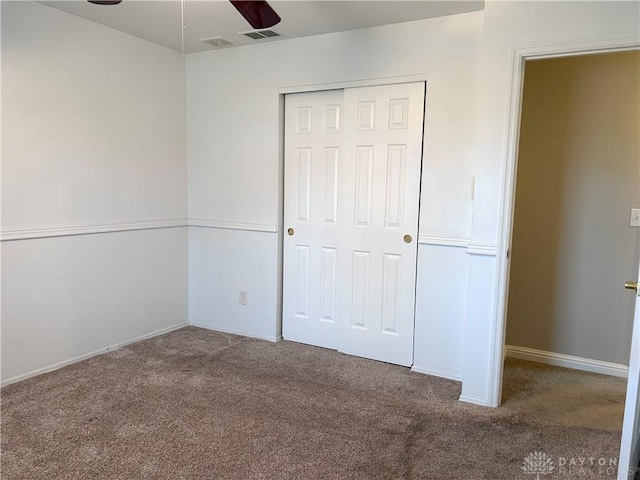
(630, 442)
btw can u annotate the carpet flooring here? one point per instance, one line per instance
(197, 404)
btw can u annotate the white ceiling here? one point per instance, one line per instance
(159, 21)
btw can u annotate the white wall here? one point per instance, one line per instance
(215, 250)
(65, 297)
(233, 119)
(93, 122)
(510, 25)
(93, 139)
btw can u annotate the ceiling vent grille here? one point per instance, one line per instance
(260, 34)
(218, 42)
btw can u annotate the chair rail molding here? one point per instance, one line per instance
(482, 248)
(444, 240)
(226, 225)
(26, 233)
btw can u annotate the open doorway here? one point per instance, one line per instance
(573, 248)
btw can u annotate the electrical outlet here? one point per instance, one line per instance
(243, 297)
(635, 217)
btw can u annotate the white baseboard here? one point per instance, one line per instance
(475, 400)
(273, 339)
(426, 371)
(568, 361)
(64, 363)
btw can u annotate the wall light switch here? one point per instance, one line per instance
(635, 217)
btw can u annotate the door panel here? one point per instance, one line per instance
(380, 193)
(312, 160)
(352, 186)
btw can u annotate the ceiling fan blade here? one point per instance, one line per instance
(257, 12)
(105, 2)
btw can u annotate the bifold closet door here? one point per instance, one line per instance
(352, 186)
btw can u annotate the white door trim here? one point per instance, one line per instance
(372, 82)
(606, 44)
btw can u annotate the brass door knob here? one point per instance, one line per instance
(290, 231)
(407, 238)
(631, 285)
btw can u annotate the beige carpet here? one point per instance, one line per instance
(564, 397)
(195, 404)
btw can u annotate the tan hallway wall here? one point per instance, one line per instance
(578, 177)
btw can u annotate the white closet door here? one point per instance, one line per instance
(352, 187)
(379, 198)
(313, 141)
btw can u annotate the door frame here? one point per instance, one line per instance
(282, 92)
(589, 46)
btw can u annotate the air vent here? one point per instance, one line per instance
(260, 34)
(217, 42)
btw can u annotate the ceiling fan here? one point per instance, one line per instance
(258, 13)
